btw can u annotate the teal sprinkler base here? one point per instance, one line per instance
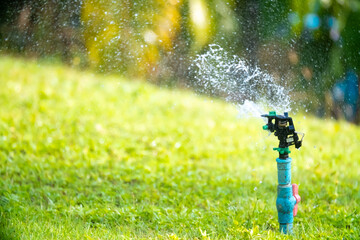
(287, 196)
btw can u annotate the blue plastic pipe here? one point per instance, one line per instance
(287, 196)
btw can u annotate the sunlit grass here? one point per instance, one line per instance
(84, 156)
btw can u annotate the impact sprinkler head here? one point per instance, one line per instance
(283, 127)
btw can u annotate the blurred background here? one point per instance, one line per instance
(311, 46)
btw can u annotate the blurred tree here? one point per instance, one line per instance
(248, 13)
(326, 43)
(43, 28)
(130, 36)
(154, 37)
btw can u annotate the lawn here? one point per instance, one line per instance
(87, 156)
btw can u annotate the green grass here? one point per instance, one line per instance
(84, 156)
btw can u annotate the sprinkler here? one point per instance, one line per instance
(287, 193)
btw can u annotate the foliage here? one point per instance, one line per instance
(85, 156)
(152, 38)
(42, 28)
(327, 50)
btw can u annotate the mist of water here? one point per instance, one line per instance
(252, 90)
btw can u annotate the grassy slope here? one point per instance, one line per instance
(88, 157)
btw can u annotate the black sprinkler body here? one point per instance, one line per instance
(284, 129)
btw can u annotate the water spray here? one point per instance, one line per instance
(287, 194)
(217, 73)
